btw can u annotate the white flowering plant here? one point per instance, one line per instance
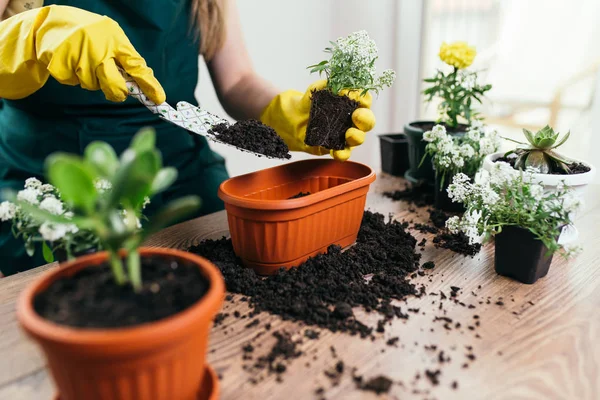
(352, 65)
(502, 198)
(454, 154)
(107, 194)
(53, 237)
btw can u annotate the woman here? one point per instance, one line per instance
(48, 48)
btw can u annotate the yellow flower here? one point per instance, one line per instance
(457, 54)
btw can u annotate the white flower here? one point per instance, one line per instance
(146, 202)
(473, 135)
(8, 211)
(47, 188)
(489, 196)
(502, 173)
(387, 78)
(52, 205)
(537, 192)
(32, 183)
(126, 219)
(460, 188)
(477, 124)
(453, 224)
(29, 195)
(53, 232)
(571, 203)
(466, 150)
(102, 185)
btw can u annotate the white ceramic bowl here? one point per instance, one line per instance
(578, 182)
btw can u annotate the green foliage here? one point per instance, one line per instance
(114, 218)
(352, 65)
(539, 154)
(458, 91)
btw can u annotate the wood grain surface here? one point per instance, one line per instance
(538, 341)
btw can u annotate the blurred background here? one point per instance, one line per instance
(541, 56)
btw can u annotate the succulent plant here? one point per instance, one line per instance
(540, 153)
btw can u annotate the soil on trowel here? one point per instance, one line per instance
(324, 289)
(253, 136)
(330, 117)
(92, 299)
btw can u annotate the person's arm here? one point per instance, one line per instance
(3, 5)
(241, 91)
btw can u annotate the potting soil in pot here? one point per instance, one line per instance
(323, 290)
(330, 117)
(299, 195)
(575, 167)
(254, 136)
(92, 299)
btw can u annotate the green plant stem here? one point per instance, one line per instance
(133, 267)
(117, 268)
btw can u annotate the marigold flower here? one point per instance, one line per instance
(458, 54)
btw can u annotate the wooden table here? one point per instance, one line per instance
(542, 343)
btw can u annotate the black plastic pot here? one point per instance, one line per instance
(416, 149)
(441, 199)
(519, 255)
(394, 153)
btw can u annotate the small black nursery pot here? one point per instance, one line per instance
(394, 153)
(441, 199)
(519, 255)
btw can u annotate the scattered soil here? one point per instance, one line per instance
(423, 228)
(323, 290)
(91, 299)
(299, 195)
(458, 243)
(575, 167)
(253, 136)
(380, 384)
(330, 117)
(419, 195)
(284, 349)
(429, 265)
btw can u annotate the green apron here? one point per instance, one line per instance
(67, 118)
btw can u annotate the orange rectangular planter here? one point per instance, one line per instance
(270, 231)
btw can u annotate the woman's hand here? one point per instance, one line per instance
(75, 47)
(289, 111)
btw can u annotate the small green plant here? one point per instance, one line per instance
(505, 197)
(540, 154)
(456, 88)
(114, 219)
(352, 65)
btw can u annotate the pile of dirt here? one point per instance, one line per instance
(323, 290)
(253, 136)
(458, 243)
(419, 195)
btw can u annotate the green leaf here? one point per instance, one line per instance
(47, 252)
(163, 179)
(563, 140)
(139, 180)
(74, 179)
(102, 156)
(529, 136)
(144, 140)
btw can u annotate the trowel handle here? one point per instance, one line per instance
(136, 92)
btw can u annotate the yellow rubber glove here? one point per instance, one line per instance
(289, 111)
(75, 47)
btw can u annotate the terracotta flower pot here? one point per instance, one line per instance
(161, 360)
(519, 255)
(269, 230)
(422, 172)
(394, 153)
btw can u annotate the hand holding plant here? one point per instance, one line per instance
(457, 88)
(114, 219)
